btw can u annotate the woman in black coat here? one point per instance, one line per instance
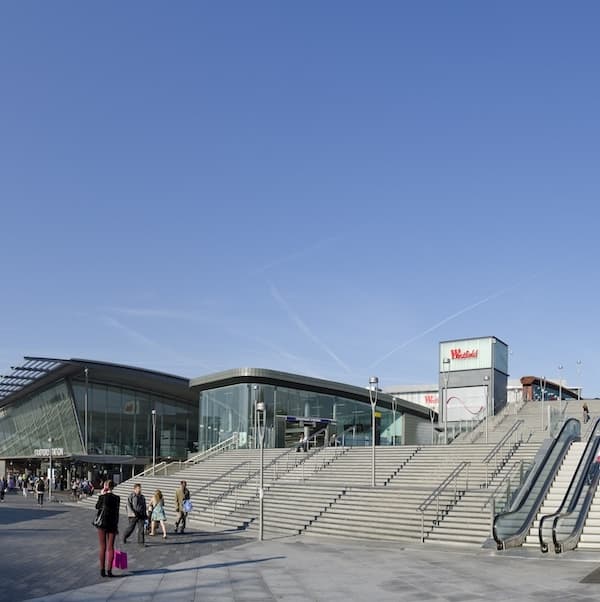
(107, 523)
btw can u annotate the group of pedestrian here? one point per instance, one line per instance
(142, 516)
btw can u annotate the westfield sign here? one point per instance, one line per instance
(459, 354)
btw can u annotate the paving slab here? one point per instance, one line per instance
(300, 569)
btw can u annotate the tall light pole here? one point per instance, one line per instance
(543, 384)
(446, 370)
(578, 380)
(560, 367)
(85, 410)
(153, 441)
(373, 386)
(50, 479)
(260, 418)
(394, 408)
(486, 380)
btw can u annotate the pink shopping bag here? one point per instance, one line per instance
(120, 560)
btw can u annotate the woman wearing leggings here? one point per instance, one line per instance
(108, 526)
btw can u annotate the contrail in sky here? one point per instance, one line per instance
(439, 324)
(304, 251)
(304, 328)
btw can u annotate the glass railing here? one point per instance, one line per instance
(510, 528)
(564, 526)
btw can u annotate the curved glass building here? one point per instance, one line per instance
(108, 416)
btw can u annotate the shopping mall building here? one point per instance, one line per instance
(102, 418)
(107, 419)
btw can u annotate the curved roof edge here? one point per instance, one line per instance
(36, 372)
(296, 381)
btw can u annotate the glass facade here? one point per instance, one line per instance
(551, 391)
(120, 421)
(230, 409)
(26, 425)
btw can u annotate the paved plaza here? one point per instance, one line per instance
(50, 554)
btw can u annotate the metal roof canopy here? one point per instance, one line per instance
(299, 381)
(21, 376)
(46, 371)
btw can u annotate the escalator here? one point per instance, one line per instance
(511, 528)
(564, 526)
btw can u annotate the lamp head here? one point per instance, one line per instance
(373, 380)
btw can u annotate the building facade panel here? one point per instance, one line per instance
(27, 425)
(229, 409)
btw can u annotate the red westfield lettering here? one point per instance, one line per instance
(459, 354)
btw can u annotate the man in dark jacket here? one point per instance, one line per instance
(137, 513)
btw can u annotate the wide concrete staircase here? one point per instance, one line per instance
(470, 520)
(432, 493)
(396, 510)
(217, 484)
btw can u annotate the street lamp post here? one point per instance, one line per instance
(153, 441)
(394, 408)
(260, 417)
(446, 370)
(560, 367)
(85, 410)
(50, 479)
(578, 380)
(543, 384)
(486, 380)
(373, 386)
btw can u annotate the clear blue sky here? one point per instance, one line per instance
(305, 186)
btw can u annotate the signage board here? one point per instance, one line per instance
(45, 452)
(466, 403)
(473, 354)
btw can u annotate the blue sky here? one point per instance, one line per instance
(328, 188)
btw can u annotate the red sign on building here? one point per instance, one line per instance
(459, 354)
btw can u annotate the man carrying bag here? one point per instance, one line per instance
(183, 505)
(136, 511)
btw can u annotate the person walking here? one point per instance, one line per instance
(108, 527)
(158, 513)
(136, 512)
(182, 493)
(40, 487)
(3, 487)
(586, 413)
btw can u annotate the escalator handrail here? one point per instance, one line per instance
(522, 531)
(573, 537)
(575, 484)
(560, 546)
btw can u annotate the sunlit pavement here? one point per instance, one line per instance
(62, 541)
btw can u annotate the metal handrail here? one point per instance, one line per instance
(252, 475)
(435, 495)
(494, 453)
(152, 469)
(229, 443)
(506, 479)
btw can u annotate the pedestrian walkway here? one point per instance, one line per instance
(300, 569)
(50, 555)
